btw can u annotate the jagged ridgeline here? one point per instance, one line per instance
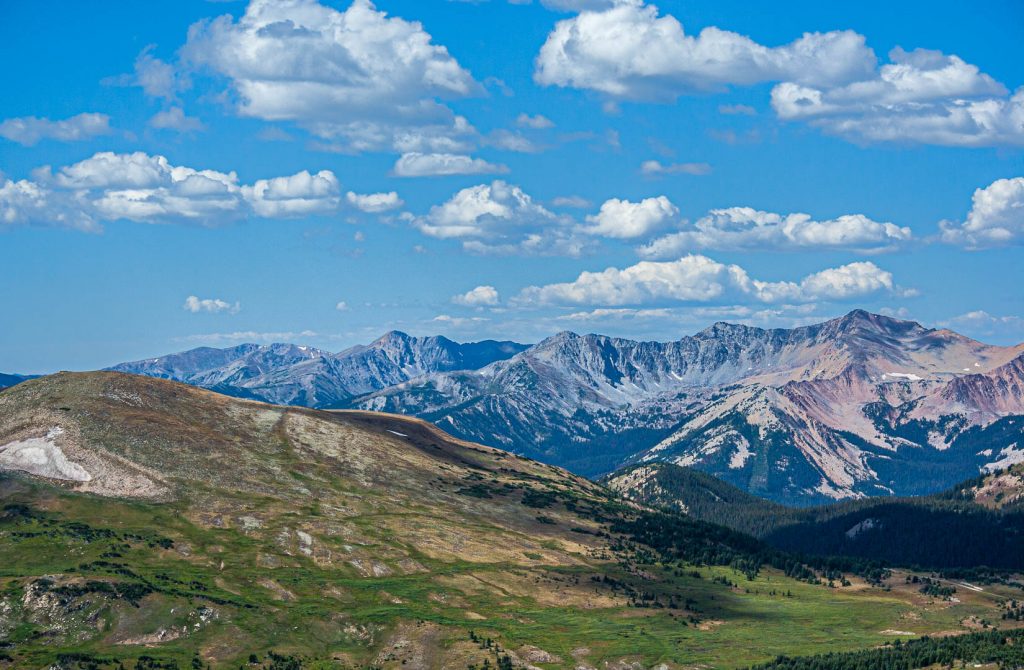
(859, 405)
(149, 524)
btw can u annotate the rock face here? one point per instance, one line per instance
(856, 406)
(288, 374)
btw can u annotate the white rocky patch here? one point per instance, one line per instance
(42, 457)
(1010, 455)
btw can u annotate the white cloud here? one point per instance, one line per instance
(624, 219)
(374, 203)
(149, 189)
(28, 130)
(176, 119)
(746, 228)
(832, 80)
(157, 78)
(211, 305)
(434, 165)
(536, 122)
(481, 296)
(28, 203)
(298, 195)
(921, 96)
(357, 77)
(628, 51)
(996, 217)
(699, 279)
(342, 306)
(656, 168)
(500, 218)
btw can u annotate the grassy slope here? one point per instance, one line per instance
(328, 537)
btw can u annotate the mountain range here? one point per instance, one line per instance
(861, 405)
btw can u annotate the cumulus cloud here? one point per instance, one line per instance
(435, 165)
(28, 130)
(374, 203)
(500, 218)
(701, 279)
(920, 96)
(27, 203)
(157, 78)
(628, 51)
(211, 305)
(342, 306)
(737, 228)
(481, 296)
(149, 189)
(297, 195)
(176, 119)
(656, 168)
(996, 217)
(625, 220)
(832, 80)
(356, 77)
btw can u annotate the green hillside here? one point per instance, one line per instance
(974, 527)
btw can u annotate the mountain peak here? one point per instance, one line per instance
(864, 320)
(725, 328)
(392, 336)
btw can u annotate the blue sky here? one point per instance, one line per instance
(206, 173)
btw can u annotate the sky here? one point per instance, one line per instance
(193, 173)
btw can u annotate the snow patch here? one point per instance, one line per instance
(909, 376)
(395, 432)
(742, 453)
(42, 457)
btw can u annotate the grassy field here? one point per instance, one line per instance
(227, 593)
